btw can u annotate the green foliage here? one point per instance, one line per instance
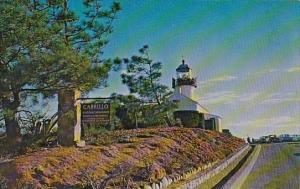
(155, 115)
(3, 183)
(83, 67)
(38, 129)
(25, 32)
(133, 113)
(188, 118)
(75, 60)
(46, 47)
(142, 77)
(128, 109)
(91, 132)
(8, 112)
(94, 130)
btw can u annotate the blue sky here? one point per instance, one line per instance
(245, 55)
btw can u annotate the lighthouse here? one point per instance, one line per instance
(189, 111)
(184, 83)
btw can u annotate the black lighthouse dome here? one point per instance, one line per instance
(183, 67)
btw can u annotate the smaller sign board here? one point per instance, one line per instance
(95, 113)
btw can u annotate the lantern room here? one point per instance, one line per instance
(184, 83)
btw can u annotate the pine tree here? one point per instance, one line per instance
(142, 77)
(23, 31)
(45, 48)
(86, 37)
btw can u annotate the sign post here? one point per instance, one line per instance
(77, 129)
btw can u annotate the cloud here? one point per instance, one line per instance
(280, 100)
(262, 72)
(245, 97)
(278, 121)
(220, 79)
(219, 97)
(282, 97)
(224, 78)
(294, 69)
(233, 97)
(227, 97)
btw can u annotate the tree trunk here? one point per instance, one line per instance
(67, 118)
(10, 118)
(136, 120)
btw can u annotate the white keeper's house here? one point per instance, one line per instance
(188, 108)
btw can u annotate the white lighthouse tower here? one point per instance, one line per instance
(184, 83)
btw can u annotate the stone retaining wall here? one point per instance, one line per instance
(239, 178)
(211, 170)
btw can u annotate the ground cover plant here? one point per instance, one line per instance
(118, 159)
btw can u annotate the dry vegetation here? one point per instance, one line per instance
(120, 159)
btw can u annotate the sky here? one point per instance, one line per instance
(245, 55)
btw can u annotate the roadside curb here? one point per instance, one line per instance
(200, 177)
(240, 176)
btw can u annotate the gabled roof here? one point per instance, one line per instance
(212, 116)
(196, 103)
(204, 110)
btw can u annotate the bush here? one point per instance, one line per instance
(90, 133)
(126, 120)
(189, 118)
(3, 183)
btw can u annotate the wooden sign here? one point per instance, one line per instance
(95, 113)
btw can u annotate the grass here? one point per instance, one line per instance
(283, 156)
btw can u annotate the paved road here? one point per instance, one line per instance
(276, 167)
(239, 177)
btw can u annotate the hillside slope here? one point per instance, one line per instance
(120, 159)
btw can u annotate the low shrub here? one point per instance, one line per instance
(3, 183)
(189, 118)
